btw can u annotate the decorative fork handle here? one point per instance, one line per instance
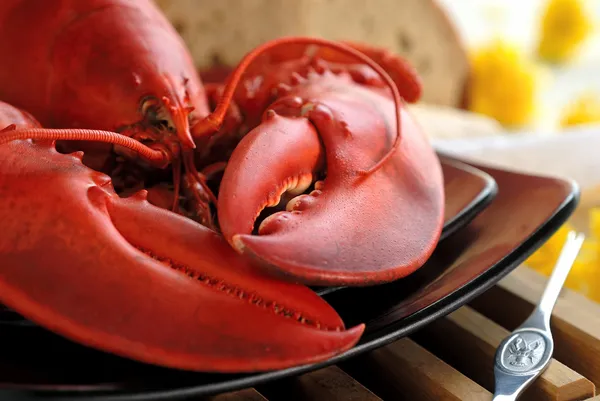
(526, 352)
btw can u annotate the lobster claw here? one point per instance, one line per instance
(127, 277)
(353, 228)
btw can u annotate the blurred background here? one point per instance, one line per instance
(546, 52)
(529, 65)
(558, 39)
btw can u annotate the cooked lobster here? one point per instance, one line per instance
(138, 204)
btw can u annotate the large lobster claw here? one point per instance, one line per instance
(127, 277)
(354, 228)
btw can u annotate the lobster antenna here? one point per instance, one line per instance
(177, 184)
(214, 121)
(10, 133)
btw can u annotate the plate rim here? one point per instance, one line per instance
(477, 205)
(410, 324)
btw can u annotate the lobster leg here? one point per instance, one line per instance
(130, 278)
(261, 57)
(400, 70)
(354, 229)
(233, 118)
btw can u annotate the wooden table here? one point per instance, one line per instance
(451, 359)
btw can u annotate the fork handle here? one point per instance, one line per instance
(503, 397)
(511, 380)
(540, 317)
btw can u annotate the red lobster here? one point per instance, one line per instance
(165, 282)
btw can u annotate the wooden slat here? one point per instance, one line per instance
(575, 320)
(404, 370)
(330, 384)
(468, 341)
(242, 395)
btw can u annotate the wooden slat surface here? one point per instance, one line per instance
(452, 357)
(468, 341)
(404, 370)
(575, 321)
(242, 395)
(330, 384)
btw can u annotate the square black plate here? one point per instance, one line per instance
(527, 210)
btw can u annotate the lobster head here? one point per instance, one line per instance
(146, 89)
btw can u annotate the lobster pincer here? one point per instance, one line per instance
(361, 185)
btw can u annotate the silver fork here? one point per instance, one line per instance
(524, 355)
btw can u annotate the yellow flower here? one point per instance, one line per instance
(565, 26)
(583, 276)
(595, 222)
(585, 273)
(545, 257)
(504, 84)
(586, 109)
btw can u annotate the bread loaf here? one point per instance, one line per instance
(223, 31)
(441, 123)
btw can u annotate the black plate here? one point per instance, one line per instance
(462, 267)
